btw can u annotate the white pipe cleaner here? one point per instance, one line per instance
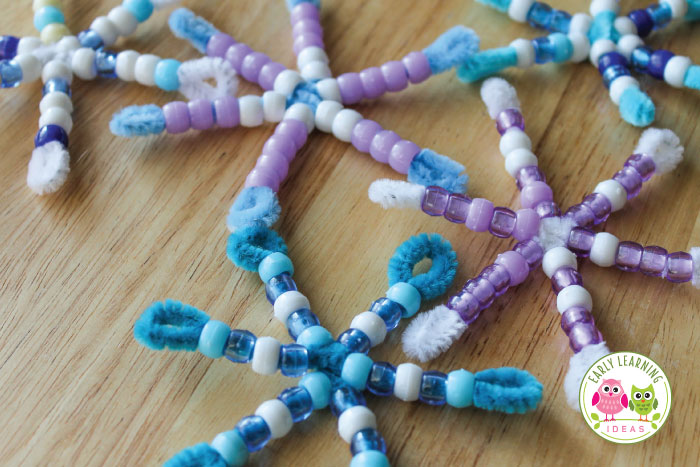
(396, 194)
(432, 332)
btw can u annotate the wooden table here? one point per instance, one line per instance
(142, 220)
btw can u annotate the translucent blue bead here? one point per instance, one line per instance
(433, 388)
(294, 360)
(300, 320)
(381, 379)
(254, 432)
(298, 401)
(368, 439)
(90, 39)
(613, 72)
(560, 22)
(10, 74)
(106, 64)
(641, 56)
(544, 50)
(51, 133)
(56, 85)
(389, 311)
(355, 340)
(279, 285)
(539, 15)
(8, 47)
(240, 346)
(141, 9)
(343, 398)
(660, 13)
(609, 59)
(48, 15)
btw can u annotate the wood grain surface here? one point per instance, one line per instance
(142, 220)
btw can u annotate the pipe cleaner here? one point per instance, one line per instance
(613, 44)
(544, 236)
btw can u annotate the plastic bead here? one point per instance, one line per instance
(482, 290)
(213, 340)
(604, 249)
(10, 74)
(433, 388)
(289, 302)
(509, 118)
(381, 379)
(407, 296)
(457, 208)
(498, 277)
(144, 69)
(166, 76)
(355, 419)
(141, 9)
(372, 325)
(343, 398)
(90, 39)
(564, 277)
(502, 222)
(629, 256)
(300, 320)
(480, 215)
(557, 258)
(294, 360)
(574, 295)
(531, 251)
(356, 370)
(319, 387)
(177, 117)
(254, 432)
(435, 201)
(407, 382)
(266, 355)
(459, 389)
(355, 341)
(368, 439)
(51, 133)
(679, 267)
(298, 401)
(653, 262)
(582, 335)
(106, 64)
(231, 447)
(314, 337)
(390, 311)
(277, 417)
(240, 346)
(279, 285)
(274, 265)
(516, 265)
(46, 16)
(573, 316)
(369, 459)
(8, 47)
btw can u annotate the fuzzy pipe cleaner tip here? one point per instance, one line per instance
(396, 194)
(499, 95)
(48, 168)
(578, 366)
(186, 25)
(663, 146)
(138, 120)
(452, 48)
(432, 332)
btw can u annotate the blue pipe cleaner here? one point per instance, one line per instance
(249, 245)
(328, 358)
(195, 29)
(453, 47)
(432, 169)
(487, 63)
(636, 107)
(506, 389)
(138, 120)
(603, 27)
(199, 455)
(170, 324)
(500, 5)
(254, 204)
(305, 93)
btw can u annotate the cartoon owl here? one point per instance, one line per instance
(610, 398)
(643, 401)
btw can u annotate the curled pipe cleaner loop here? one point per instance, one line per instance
(430, 284)
(199, 455)
(508, 390)
(249, 245)
(186, 25)
(170, 324)
(254, 204)
(453, 47)
(430, 168)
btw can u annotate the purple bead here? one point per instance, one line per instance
(658, 62)
(177, 117)
(653, 261)
(509, 118)
(274, 161)
(527, 224)
(262, 177)
(546, 209)
(282, 145)
(564, 277)
(531, 251)
(268, 74)
(528, 175)
(201, 114)
(498, 276)
(363, 133)
(466, 305)
(610, 59)
(227, 112)
(581, 241)
(402, 154)
(600, 205)
(679, 267)
(534, 193)
(516, 265)
(629, 256)
(306, 26)
(50, 133)
(294, 130)
(373, 84)
(581, 214)
(574, 315)
(502, 222)
(307, 40)
(630, 179)
(8, 47)
(381, 145)
(457, 208)
(252, 64)
(351, 90)
(480, 214)
(643, 20)
(304, 10)
(417, 67)
(236, 54)
(643, 164)
(218, 44)
(582, 335)
(482, 289)
(435, 201)
(395, 76)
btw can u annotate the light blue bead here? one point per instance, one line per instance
(563, 48)
(273, 265)
(369, 459)
(48, 15)
(166, 75)
(314, 337)
(405, 295)
(231, 447)
(212, 341)
(356, 370)
(460, 388)
(319, 387)
(141, 9)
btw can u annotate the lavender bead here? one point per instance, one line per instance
(599, 205)
(281, 144)
(252, 64)
(306, 26)
(509, 118)
(643, 164)
(629, 256)
(417, 67)
(373, 83)
(457, 208)
(228, 114)
(480, 214)
(527, 224)
(574, 315)
(435, 201)
(402, 155)
(381, 145)
(531, 251)
(581, 241)
(268, 74)
(581, 214)
(482, 290)
(363, 133)
(534, 193)
(304, 10)
(528, 175)
(262, 177)
(236, 54)
(218, 45)
(307, 40)
(517, 266)
(351, 90)
(679, 267)
(201, 114)
(274, 161)
(630, 179)
(466, 305)
(395, 76)
(177, 117)
(564, 277)
(582, 335)
(658, 62)
(502, 222)
(546, 209)
(653, 261)
(498, 276)
(294, 130)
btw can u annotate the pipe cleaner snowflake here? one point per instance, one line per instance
(613, 43)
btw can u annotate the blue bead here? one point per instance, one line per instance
(319, 387)
(254, 432)
(610, 59)
(343, 398)
(539, 15)
(51, 133)
(613, 72)
(657, 63)
(563, 48)
(141, 9)
(298, 401)
(356, 369)
(212, 341)
(56, 85)
(273, 265)
(8, 47)
(279, 285)
(10, 74)
(314, 337)
(560, 21)
(433, 388)
(460, 388)
(355, 340)
(166, 75)
(643, 20)
(231, 447)
(368, 439)
(240, 346)
(544, 50)
(90, 39)
(389, 311)
(640, 58)
(381, 379)
(660, 13)
(48, 15)
(300, 320)
(106, 64)
(294, 360)
(369, 459)
(407, 296)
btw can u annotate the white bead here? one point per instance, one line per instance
(30, 65)
(277, 417)
(311, 54)
(574, 295)
(328, 89)
(581, 46)
(266, 355)
(604, 249)
(83, 63)
(580, 24)
(56, 116)
(274, 105)
(57, 69)
(251, 110)
(145, 69)
(68, 44)
(325, 114)
(600, 47)
(315, 70)
(126, 65)
(28, 44)
(599, 6)
(525, 51)
(614, 191)
(288, 303)
(556, 258)
(106, 29)
(514, 139)
(517, 10)
(344, 122)
(519, 158)
(675, 70)
(620, 85)
(55, 100)
(625, 26)
(303, 113)
(355, 419)
(407, 382)
(372, 325)
(124, 21)
(287, 81)
(678, 7)
(628, 43)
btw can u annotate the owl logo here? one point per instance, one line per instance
(643, 401)
(610, 398)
